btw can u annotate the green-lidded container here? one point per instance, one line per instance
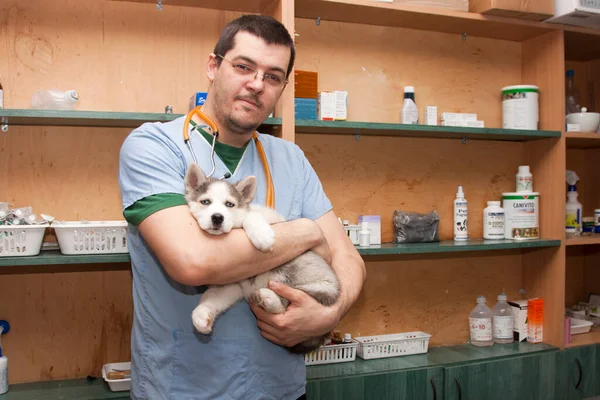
(521, 215)
(520, 107)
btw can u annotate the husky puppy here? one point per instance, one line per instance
(219, 206)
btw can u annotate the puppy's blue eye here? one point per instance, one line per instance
(229, 204)
(205, 202)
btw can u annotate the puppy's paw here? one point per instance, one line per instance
(267, 300)
(202, 319)
(262, 236)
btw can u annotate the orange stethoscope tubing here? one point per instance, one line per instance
(259, 148)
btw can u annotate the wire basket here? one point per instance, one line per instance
(333, 353)
(392, 345)
(91, 237)
(21, 240)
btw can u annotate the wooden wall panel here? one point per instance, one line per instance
(575, 279)
(377, 175)
(434, 294)
(381, 60)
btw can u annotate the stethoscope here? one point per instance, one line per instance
(215, 132)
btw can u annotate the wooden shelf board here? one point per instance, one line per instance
(422, 131)
(110, 119)
(582, 44)
(246, 6)
(583, 240)
(55, 257)
(584, 339)
(449, 246)
(582, 140)
(76, 389)
(422, 18)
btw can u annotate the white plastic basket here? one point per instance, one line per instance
(93, 237)
(333, 353)
(117, 385)
(21, 240)
(392, 345)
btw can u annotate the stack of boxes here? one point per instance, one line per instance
(306, 86)
(461, 119)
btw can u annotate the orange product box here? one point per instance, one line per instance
(306, 84)
(535, 320)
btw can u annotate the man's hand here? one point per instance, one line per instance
(303, 319)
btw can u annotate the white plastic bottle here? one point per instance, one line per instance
(4, 328)
(572, 211)
(493, 221)
(503, 321)
(410, 113)
(461, 231)
(480, 324)
(524, 180)
(364, 235)
(55, 99)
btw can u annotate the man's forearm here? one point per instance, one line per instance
(232, 257)
(350, 269)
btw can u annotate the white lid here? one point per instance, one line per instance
(409, 89)
(529, 194)
(493, 203)
(587, 219)
(502, 297)
(480, 299)
(460, 194)
(520, 87)
(597, 210)
(523, 169)
(364, 225)
(347, 336)
(346, 222)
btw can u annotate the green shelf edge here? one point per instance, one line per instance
(425, 131)
(76, 389)
(91, 118)
(450, 246)
(55, 257)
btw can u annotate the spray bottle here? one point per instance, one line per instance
(460, 216)
(4, 328)
(573, 207)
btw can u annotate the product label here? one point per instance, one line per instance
(460, 220)
(597, 219)
(524, 183)
(1, 98)
(503, 327)
(521, 216)
(493, 225)
(573, 219)
(481, 329)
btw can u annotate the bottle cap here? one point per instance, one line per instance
(523, 169)
(364, 225)
(493, 203)
(347, 336)
(460, 194)
(480, 299)
(409, 89)
(502, 297)
(346, 222)
(570, 72)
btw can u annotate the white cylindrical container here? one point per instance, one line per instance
(521, 215)
(493, 221)
(364, 236)
(520, 108)
(524, 180)
(597, 220)
(3, 374)
(461, 231)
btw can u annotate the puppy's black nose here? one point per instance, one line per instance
(217, 219)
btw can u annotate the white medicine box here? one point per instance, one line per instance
(332, 106)
(374, 222)
(519, 309)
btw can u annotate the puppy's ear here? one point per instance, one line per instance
(194, 177)
(247, 188)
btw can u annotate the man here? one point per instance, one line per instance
(173, 259)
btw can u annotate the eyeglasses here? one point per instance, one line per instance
(273, 79)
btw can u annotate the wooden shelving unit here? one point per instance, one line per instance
(583, 240)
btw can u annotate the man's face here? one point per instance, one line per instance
(241, 101)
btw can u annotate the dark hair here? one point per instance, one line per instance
(267, 28)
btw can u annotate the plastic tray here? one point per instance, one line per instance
(580, 326)
(92, 237)
(117, 385)
(21, 240)
(333, 353)
(392, 345)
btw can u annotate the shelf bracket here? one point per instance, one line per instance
(4, 124)
(318, 21)
(464, 36)
(357, 134)
(159, 5)
(463, 140)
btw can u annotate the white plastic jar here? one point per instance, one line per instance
(520, 107)
(493, 221)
